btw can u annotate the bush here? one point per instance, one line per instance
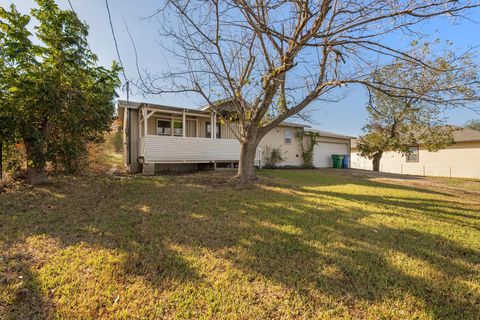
(274, 156)
(117, 142)
(13, 159)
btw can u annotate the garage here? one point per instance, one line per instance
(322, 153)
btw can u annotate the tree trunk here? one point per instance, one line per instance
(376, 161)
(1, 160)
(36, 173)
(246, 164)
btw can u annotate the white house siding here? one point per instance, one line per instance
(460, 160)
(322, 153)
(174, 149)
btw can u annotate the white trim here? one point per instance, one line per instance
(184, 122)
(145, 133)
(176, 112)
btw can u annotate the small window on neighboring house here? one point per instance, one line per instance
(413, 154)
(177, 128)
(164, 127)
(288, 136)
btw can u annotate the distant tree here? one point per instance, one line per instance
(54, 96)
(273, 58)
(473, 124)
(399, 120)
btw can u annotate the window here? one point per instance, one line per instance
(288, 136)
(164, 127)
(208, 131)
(412, 156)
(177, 128)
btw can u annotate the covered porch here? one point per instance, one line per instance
(182, 136)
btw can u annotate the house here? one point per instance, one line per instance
(462, 159)
(164, 138)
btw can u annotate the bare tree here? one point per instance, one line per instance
(273, 58)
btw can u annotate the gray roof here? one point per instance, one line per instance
(466, 135)
(460, 135)
(136, 105)
(130, 104)
(329, 134)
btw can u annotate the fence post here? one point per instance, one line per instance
(424, 170)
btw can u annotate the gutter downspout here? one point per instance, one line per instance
(129, 121)
(129, 136)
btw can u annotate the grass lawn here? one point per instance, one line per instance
(301, 244)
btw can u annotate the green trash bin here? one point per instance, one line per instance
(337, 160)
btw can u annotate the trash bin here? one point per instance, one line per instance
(337, 160)
(345, 161)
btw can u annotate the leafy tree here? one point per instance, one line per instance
(54, 95)
(473, 124)
(398, 119)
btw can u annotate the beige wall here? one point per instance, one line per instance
(134, 139)
(276, 139)
(460, 160)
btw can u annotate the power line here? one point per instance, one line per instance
(115, 41)
(71, 7)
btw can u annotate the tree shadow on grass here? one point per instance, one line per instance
(286, 238)
(438, 210)
(303, 179)
(364, 271)
(20, 282)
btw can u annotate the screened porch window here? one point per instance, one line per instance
(208, 131)
(164, 127)
(413, 154)
(177, 128)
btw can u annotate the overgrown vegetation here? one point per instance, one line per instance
(117, 141)
(274, 156)
(307, 151)
(55, 100)
(300, 244)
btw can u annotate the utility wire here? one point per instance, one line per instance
(71, 7)
(115, 41)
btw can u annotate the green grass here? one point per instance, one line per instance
(301, 244)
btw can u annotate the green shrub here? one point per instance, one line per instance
(274, 156)
(117, 142)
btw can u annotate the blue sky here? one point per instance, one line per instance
(347, 116)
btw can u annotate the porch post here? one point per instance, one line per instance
(214, 126)
(183, 124)
(145, 120)
(211, 125)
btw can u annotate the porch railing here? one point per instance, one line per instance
(158, 149)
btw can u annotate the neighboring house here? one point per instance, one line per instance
(163, 138)
(461, 159)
